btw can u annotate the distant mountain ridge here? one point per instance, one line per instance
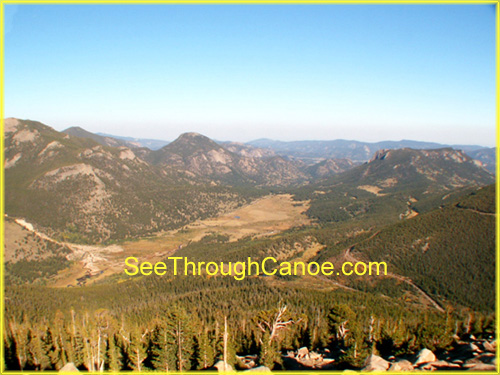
(394, 183)
(425, 171)
(76, 131)
(359, 152)
(152, 144)
(314, 151)
(197, 155)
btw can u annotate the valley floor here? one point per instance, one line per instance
(263, 217)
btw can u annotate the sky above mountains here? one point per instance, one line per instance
(242, 72)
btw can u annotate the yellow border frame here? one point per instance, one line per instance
(262, 2)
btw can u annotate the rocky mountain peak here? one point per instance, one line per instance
(10, 124)
(192, 139)
(192, 136)
(380, 155)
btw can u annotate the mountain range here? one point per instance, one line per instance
(81, 184)
(359, 152)
(308, 151)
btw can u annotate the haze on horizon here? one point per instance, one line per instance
(243, 72)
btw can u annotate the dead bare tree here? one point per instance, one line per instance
(275, 321)
(343, 330)
(136, 345)
(225, 343)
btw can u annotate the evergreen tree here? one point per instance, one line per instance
(204, 350)
(269, 353)
(163, 353)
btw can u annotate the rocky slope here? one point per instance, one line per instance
(152, 144)
(196, 155)
(466, 354)
(87, 190)
(76, 131)
(84, 191)
(423, 171)
(360, 152)
(330, 167)
(487, 156)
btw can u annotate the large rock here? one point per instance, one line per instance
(481, 367)
(490, 347)
(424, 356)
(259, 369)
(487, 358)
(474, 347)
(245, 363)
(69, 367)
(223, 368)
(302, 352)
(402, 365)
(315, 356)
(376, 363)
(441, 365)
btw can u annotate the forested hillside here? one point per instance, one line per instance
(137, 325)
(77, 189)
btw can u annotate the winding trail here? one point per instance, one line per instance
(477, 211)
(89, 255)
(349, 257)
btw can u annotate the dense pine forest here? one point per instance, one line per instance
(176, 325)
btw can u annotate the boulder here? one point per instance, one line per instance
(442, 365)
(302, 352)
(315, 356)
(69, 367)
(327, 364)
(375, 363)
(245, 363)
(424, 356)
(402, 365)
(472, 361)
(481, 367)
(483, 358)
(490, 346)
(223, 369)
(474, 347)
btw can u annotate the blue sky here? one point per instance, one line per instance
(242, 72)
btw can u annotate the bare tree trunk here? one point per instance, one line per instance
(138, 359)
(73, 319)
(89, 356)
(469, 323)
(370, 329)
(225, 343)
(99, 349)
(179, 344)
